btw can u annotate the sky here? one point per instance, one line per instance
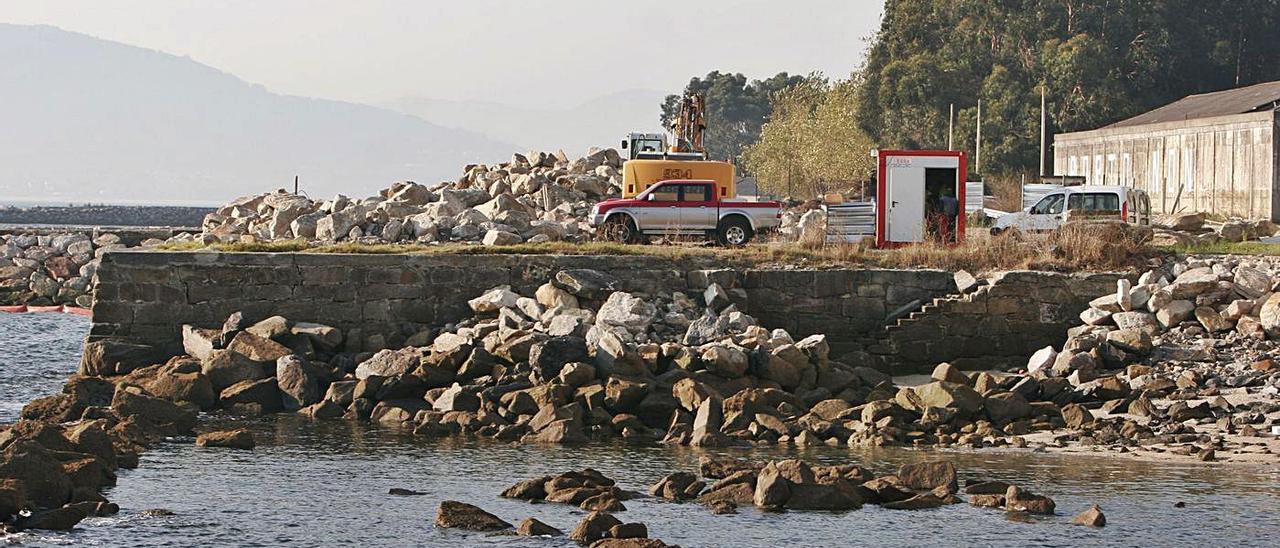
(550, 53)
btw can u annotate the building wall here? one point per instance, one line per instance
(1224, 165)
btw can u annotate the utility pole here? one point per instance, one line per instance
(295, 184)
(977, 142)
(1043, 122)
(951, 121)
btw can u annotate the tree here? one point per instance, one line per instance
(1098, 61)
(812, 143)
(736, 109)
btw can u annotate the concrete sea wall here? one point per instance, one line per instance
(144, 297)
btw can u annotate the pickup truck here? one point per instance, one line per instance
(684, 207)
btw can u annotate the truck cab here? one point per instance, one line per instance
(1079, 203)
(684, 207)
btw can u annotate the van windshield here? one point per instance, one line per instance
(1051, 204)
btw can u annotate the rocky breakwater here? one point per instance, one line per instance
(577, 359)
(47, 269)
(1182, 361)
(56, 460)
(534, 197)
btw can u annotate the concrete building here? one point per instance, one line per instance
(1214, 152)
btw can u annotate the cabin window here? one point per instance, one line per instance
(1094, 201)
(666, 193)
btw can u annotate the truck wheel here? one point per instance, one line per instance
(734, 232)
(619, 229)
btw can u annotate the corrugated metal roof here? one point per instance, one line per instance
(1209, 105)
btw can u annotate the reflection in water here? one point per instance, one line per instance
(325, 484)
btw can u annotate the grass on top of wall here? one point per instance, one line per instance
(1229, 248)
(1082, 247)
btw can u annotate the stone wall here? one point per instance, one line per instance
(145, 296)
(998, 326)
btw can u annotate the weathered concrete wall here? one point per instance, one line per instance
(145, 297)
(1224, 165)
(996, 327)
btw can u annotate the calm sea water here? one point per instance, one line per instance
(325, 484)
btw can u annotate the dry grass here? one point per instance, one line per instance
(1081, 247)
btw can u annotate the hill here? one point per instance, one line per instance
(90, 120)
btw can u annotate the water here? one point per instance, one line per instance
(37, 352)
(325, 484)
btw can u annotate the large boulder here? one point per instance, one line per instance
(226, 367)
(389, 363)
(627, 311)
(929, 475)
(43, 482)
(454, 514)
(298, 381)
(168, 417)
(953, 395)
(586, 283)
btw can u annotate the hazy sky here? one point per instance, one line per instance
(556, 52)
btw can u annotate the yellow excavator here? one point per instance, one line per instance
(650, 160)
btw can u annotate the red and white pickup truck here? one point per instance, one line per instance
(684, 207)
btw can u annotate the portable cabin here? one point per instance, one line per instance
(920, 195)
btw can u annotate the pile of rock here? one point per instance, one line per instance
(67, 448)
(587, 489)
(47, 269)
(1184, 229)
(1167, 349)
(535, 197)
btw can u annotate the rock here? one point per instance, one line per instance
(922, 501)
(298, 382)
(1174, 313)
(626, 311)
(1008, 406)
(531, 527)
(716, 297)
(726, 361)
(946, 394)
(262, 395)
(1193, 282)
(929, 475)
(1132, 340)
(501, 237)
(323, 336)
(628, 531)
(457, 398)
(946, 372)
(257, 348)
(965, 282)
(1136, 320)
(1018, 499)
(550, 296)
(1269, 315)
(42, 483)
(165, 415)
(678, 486)
(226, 367)
(271, 328)
(594, 527)
(1042, 360)
(822, 497)
(57, 519)
(193, 388)
(111, 357)
(235, 439)
(1095, 316)
(198, 343)
(533, 489)
(493, 300)
(389, 363)
(454, 514)
(586, 283)
(1212, 321)
(1092, 517)
(772, 490)
(1076, 415)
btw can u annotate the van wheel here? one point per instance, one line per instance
(734, 232)
(620, 229)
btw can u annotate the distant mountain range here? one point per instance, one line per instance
(603, 121)
(90, 120)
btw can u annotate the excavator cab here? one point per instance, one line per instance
(645, 146)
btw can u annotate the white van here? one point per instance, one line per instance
(1079, 203)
